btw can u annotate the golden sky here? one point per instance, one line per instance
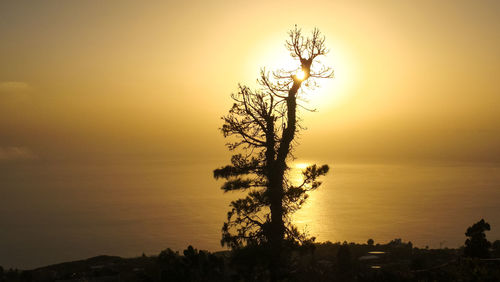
(415, 80)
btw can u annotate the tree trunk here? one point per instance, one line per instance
(276, 183)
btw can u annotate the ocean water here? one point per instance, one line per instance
(52, 213)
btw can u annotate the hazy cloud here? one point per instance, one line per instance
(14, 93)
(16, 153)
(13, 86)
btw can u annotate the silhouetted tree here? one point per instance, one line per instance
(193, 266)
(264, 123)
(344, 263)
(370, 242)
(477, 245)
(172, 266)
(12, 275)
(496, 248)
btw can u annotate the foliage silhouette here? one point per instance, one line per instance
(477, 245)
(316, 262)
(193, 266)
(264, 124)
(496, 248)
(344, 263)
(370, 242)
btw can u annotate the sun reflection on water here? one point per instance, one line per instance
(306, 217)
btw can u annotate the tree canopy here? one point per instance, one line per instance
(477, 245)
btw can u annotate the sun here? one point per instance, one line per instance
(300, 74)
(329, 92)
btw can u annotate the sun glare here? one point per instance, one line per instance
(301, 166)
(271, 55)
(296, 172)
(300, 74)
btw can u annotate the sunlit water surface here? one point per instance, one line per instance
(54, 213)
